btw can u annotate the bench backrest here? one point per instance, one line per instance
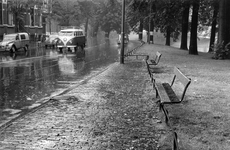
(183, 79)
(146, 61)
(158, 57)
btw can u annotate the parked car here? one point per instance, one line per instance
(126, 39)
(15, 41)
(50, 40)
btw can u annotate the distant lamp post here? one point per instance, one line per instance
(122, 33)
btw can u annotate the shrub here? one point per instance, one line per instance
(220, 50)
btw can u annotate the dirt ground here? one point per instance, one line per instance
(202, 120)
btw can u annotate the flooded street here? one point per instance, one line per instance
(27, 78)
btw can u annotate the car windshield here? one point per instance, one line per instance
(66, 33)
(9, 37)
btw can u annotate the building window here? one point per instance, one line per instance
(1, 16)
(30, 22)
(40, 21)
(45, 1)
(32, 18)
(4, 13)
(10, 19)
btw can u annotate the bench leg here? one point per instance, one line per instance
(153, 81)
(156, 93)
(175, 142)
(159, 104)
(165, 112)
(148, 70)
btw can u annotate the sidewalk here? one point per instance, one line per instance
(115, 110)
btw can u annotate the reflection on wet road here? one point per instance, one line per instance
(26, 78)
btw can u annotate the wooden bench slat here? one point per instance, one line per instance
(183, 79)
(171, 94)
(158, 57)
(153, 62)
(166, 93)
(161, 92)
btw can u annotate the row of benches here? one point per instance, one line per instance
(166, 92)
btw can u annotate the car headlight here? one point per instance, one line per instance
(59, 41)
(10, 43)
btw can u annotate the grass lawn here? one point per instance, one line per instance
(203, 119)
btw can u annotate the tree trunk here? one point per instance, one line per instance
(141, 30)
(224, 21)
(193, 37)
(86, 26)
(151, 31)
(213, 30)
(185, 21)
(107, 34)
(168, 33)
(95, 29)
(16, 22)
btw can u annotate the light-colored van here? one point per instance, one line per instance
(71, 38)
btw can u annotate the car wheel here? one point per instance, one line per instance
(13, 56)
(60, 50)
(26, 48)
(13, 49)
(79, 49)
(84, 52)
(75, 49)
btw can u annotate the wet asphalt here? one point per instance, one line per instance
(30, 79)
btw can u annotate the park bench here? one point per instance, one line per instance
(155, 61)
(135, 55)
(152, 62)
(166, 93)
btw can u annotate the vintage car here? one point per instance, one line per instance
(72, 39)
(50, 40)
(126, 39)
(15, 41)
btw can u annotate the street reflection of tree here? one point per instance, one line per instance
(68, 67)
(3, 86)
(39, 51)
(92, 51)
(10, 57)
(37, 69)
(22, 85)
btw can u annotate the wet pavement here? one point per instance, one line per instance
(113, 110)
(29, 79)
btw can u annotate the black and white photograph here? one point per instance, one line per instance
(114, 74)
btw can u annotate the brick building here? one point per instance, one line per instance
(34, 18)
